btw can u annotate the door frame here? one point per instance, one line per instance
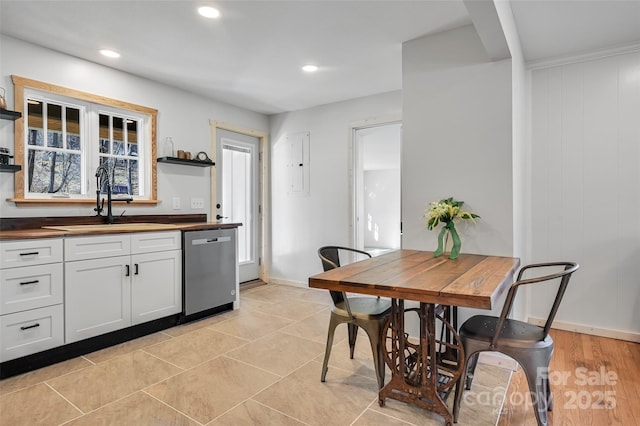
(264, 207)
(353, 205)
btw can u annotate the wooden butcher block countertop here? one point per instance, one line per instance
(69, 228)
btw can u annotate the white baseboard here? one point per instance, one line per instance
(585, 329)
(292, 283)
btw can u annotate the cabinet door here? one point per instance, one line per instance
(156, 285)
(97, 297)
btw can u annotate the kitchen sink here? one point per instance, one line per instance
(113, 227)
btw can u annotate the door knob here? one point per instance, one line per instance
(221, 217)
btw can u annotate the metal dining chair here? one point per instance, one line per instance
(366, 312)
(530, 345)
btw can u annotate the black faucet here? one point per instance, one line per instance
(103, 176)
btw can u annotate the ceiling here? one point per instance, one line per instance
(251, 56)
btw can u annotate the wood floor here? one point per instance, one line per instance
(594, 380)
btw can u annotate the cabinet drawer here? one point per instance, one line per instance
(30, 252)
(30, 288)
(149, 242)
(28, 332)
(83, 248)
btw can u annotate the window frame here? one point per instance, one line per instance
(98, 103)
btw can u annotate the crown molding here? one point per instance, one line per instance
(582, 57)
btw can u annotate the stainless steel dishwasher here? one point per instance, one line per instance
(210, 271)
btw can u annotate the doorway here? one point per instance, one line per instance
(377, 187)
(237, 189)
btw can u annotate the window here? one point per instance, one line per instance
(53, 147)
(66, 135)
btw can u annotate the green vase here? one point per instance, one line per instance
(448, 229)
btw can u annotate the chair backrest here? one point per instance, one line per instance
(568, 268)
(330, 257)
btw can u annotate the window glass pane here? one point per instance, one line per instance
(35, 122)
(126, 177)
(72, 126)
(53, 172)
(104, 134)
(54, 139)
(73, 142)
(54, 125)
(118, 135)
(134, 177)
(132, 138)
(35, 137)
(104, 146)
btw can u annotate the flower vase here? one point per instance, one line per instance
(443, 238)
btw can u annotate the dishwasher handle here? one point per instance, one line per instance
(201, 241)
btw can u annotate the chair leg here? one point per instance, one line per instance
(353, 333)
(549, 395)
(470, 370)
(462, 383)
(373, 331)
(333, 323)
(537, 389)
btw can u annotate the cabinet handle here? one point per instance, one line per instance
(30, 282)
(30, 326)
(127, 273)
(136, 269)
(31, 253)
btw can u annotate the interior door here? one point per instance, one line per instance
(238, 201)
(377, 221)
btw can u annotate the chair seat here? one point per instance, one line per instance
(364, 307)
(483, 327)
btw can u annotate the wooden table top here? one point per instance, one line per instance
(471, 280)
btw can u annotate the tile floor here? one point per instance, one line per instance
(259, 365)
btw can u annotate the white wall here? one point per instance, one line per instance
(182, 115)
(457, 140)
(300, 225)
(520, 81)
(585, 190)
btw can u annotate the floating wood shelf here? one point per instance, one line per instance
(9, 168)
(185, 162)
(5, 114)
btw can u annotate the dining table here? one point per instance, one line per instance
(424, 367)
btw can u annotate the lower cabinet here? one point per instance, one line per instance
(111, 293)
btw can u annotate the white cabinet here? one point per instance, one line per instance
(97, 297)
(118, 280)
(156, 285)
(31, 289)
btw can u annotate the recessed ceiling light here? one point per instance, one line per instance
(208, 12)
(110, 53)
(310, 68)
